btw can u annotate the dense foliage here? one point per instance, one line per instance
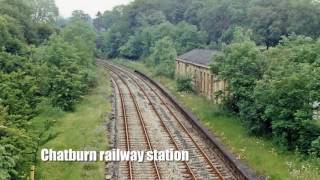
(40, 63)
(130, 31)
(274, 91)
(184, 84)
(270, 55)
(270, 59)
(163, 56)
(241, 64)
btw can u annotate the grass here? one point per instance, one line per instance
(259, 153)
(83, 129)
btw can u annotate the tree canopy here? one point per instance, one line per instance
(40, 63)
(269, 55)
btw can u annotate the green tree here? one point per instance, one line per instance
(177, 9)
(287, 96)
(98, 22)
(8, 161)
(219, 15)
(11, 35)
(236, 34)
(307, 13)
(184, 36)
(44, 31)
(133, 49)
(289, 89)
(64, 79)
(163, 57)
(83, 37)
(20, 11)
(44, 11)
(191, 15)
(14, 144)
(39, 63)
(242, 65)
(142, 13)
(109, 18)
(18, 88)
(275, 18)
(113, 39)
(79, 15)
(187, 37)
(269, 21)
(150, 35)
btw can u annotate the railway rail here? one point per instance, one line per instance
(148, 120)
(129, 143)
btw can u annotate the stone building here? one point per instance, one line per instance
(196, 64)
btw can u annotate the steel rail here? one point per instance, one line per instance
(124, 116)
(141, 119)
(215, 170)
(165, 127)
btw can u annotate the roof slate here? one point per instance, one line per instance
(199, 56)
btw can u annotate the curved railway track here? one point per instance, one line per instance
(189, 171)
(125, 107)
(147, 120)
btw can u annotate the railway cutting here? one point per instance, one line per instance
(146, 119)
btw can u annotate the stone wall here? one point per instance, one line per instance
(205, 83)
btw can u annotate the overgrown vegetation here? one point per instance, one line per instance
(131, 31)
(184, 84)
(270, 56)
(270, 59)
(275, 97)
(262, 154)
(40, 63)
(82, 129)
(163, 56)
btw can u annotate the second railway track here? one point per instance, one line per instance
(147, 120)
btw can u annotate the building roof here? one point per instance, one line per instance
(199, 56)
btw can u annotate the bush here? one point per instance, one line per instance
(8, 162)
(293, 135)
(18, 79)
(66, 77)
(35, 67)
(14, 146)
(242, 65)
(275, 97)
(315, 147)
(184, 84)
(163, 57)
(288, 90)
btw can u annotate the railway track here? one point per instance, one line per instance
(149, 169)
(148, 120)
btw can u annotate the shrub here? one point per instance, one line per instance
(275, 96)
(163, 57)
(184, 84)
(315, 147)
(242, 65)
